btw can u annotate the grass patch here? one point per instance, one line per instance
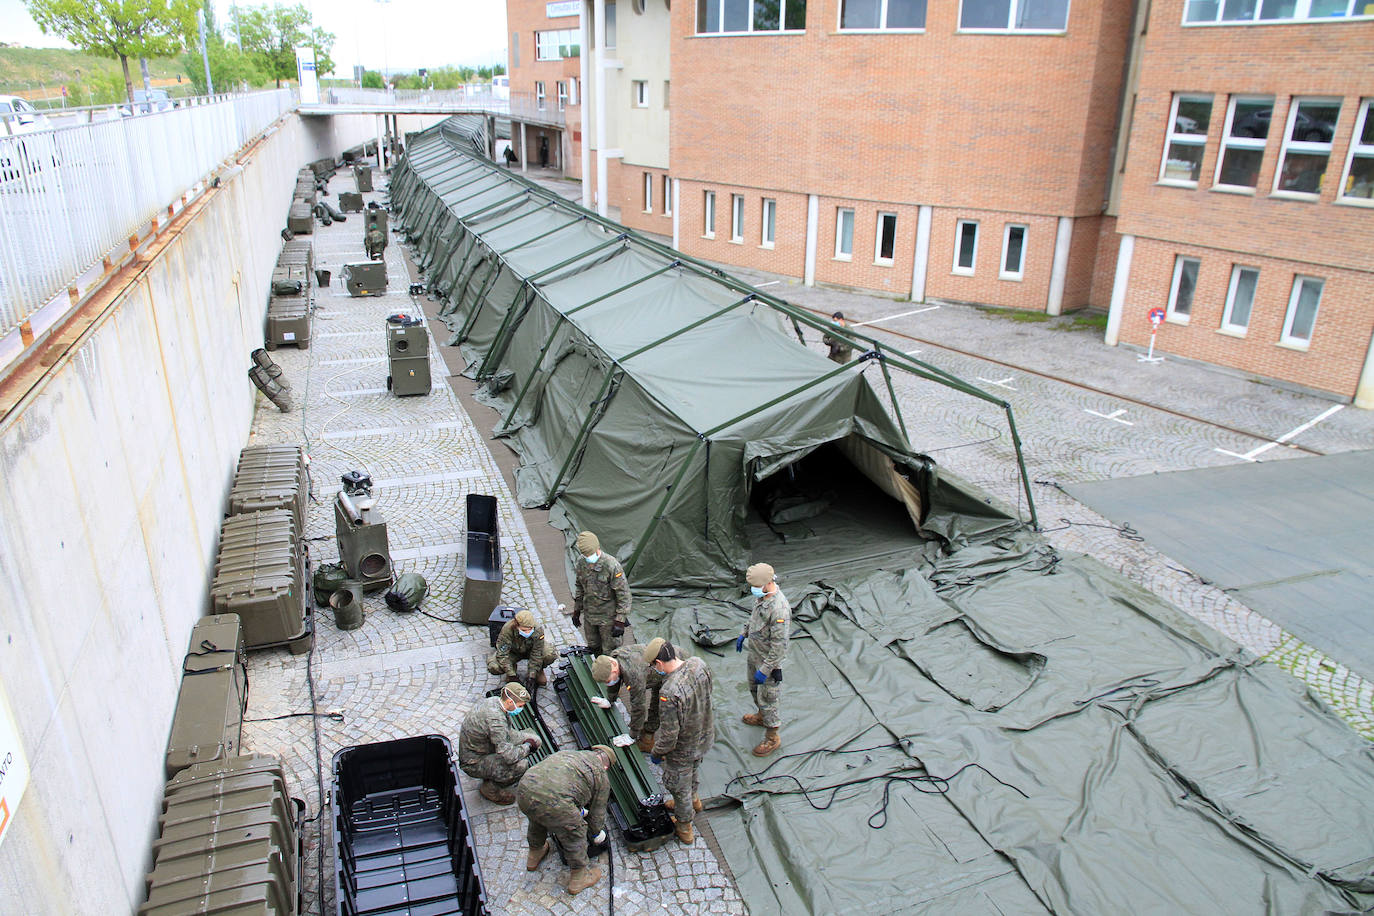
(1084, 322)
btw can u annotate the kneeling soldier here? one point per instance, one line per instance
(565, 795)
(686, 732)
(492, 749)
(625, 669)
(522, 638)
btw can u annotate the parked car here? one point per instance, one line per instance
(20, 116)
(1256, 124)
(147, 101)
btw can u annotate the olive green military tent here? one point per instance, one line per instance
(645, 392)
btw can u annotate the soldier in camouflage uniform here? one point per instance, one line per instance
(601, 596)
(769, 628)
(565, 795)
(625, 669)
(492, 749)
(687, 730)
(374, 243)
(522, 638)
(840, 350)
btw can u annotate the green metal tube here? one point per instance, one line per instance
(663, 504)
(592, 414)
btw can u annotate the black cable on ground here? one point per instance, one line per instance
(437, 617)
(336, 716)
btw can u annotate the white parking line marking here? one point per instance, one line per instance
(769, 283)
(910, 352)
(899, 315)
(1114, 415)
(1259, 450)
(1000, 384)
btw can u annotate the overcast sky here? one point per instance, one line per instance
(396, 34)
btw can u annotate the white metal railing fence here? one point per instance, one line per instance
(70, 195)
(524, 106)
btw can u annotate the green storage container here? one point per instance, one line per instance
(208, 722)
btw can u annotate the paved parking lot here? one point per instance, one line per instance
(412, 674)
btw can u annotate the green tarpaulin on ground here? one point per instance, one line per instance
(980, 725)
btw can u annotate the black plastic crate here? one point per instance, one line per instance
(402, 842)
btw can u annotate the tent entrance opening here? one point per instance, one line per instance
(821, 514)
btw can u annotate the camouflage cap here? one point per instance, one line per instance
(759, 575)
(601, 669)
(608, 751)
(524, 619)
(587, 544)
(516, 693)
(654, 647)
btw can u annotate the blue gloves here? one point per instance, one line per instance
(656, 759)
(739, 643)
(760, 677)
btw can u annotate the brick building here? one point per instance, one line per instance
(1036, 154)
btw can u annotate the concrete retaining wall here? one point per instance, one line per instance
(113, 477)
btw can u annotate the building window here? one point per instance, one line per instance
(1242, 142)
(885, 238)
(768, 223)
(515, 49)
(965, 247)
(667, 196)
(1181, 292)
(1302, 312)
(883, 14)
(1307, 145)
(1240, 297)
(1186, 139)
(844, 234)
(557, 45)
(1013, 252)
(562, 94)
(1014, 15)
(736, 217)
(648, 192)
(1240, 12)
(610, 25)
(639, 89)
(1357, 185)
(739, 16)
(709, 209)
(572, 90)
(539, 94)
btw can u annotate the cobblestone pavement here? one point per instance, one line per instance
(401, 675)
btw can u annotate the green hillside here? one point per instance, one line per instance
(88, 78)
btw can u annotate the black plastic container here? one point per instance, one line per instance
(402, 841)
(482, 572)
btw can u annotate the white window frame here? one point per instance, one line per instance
(641, 93)
(878, 239)
(882, 21)
(768, 222)
(1302, 12)
(749, 28)
(708, 215)
(1287, 339)
(648, 192)
(958, 238)
(1013, 7)
(1362, 150)
(1020, 271)
(737, 218)
(549, 44)
(1303, 147)
(1171, 137)
(562, 89)
(539, 94)
(840, 213)
(572, 90)
(667, 196)
(1251, 143)
(1228, 326)
(1171, 314)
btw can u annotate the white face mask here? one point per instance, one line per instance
(526, 633)
(612, 682)
(593, 558)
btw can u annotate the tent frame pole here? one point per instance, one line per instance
(539, 275)
(538, 362)
(1021, 463)
(594, 412)
(480, 299)
(498, 349)
(663, 504)
(572, 222)
(685, 328)
(892, 393)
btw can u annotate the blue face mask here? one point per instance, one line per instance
(526, 633)
(612, 682)
(515, 711)
(757, 590)
(593, 558)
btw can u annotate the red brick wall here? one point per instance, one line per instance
(1340, 337)
(523, 19)
(1104, 269)
(630, 199)
(1280, 236)
(985, 286)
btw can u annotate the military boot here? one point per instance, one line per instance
(683, 832)
(770, 743)
(542, 678)
(536, 856)
(494, 793)
(753, 718)
(669, 803)
(583, 878)
(646, 742)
